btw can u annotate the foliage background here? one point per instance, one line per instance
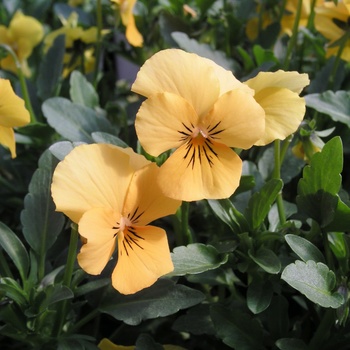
(243, 278)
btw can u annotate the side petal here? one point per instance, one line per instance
(7, 139)
(91, 176)
(236, 120)
(206, 171)
(163, 121)
(293, 81)
(284, 112)
(181, 73)
(97, 226)
(143, 257)
(145, 201)
(12, 109)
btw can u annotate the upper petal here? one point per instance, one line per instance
(204, 171)
(162, 120)
(97, 226)
(284, 112)
(181, 73)
(12, 109)
(145, 201)
(91, 176)
(293, 81)
(143, 257)
(236, 120)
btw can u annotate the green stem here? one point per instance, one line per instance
(98, 40)
(277, 175)
(327, 250)
(293, 39)
(338, 59)
(67, 278)
(184, 236)
(84, 320)
(310, 21)
(5, 270)
(22, 82)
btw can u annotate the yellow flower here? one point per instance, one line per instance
(288, 18)
(126, 8)
(22, 35)
(201, 110)
(75, 3)
(333, 22)
(12, 114)
(111, 193)
(106, 344)
(73, 35)
(278, 94)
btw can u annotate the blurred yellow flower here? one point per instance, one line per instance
(112, 194)
(126, 7)
(278, 94)
(106, 344)
(201, 110)
(333, 22)
(288, 18)
(22, 35)
(76, 38)
(12, 114)
(75, 3)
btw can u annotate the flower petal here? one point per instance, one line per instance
(209, 170)
(96, 225)
(284, 112)
(145, 201)
(161, 122)
(12, 109)
(7, 139)
(143, 257)
(91, 176)
(185, 74)
(236, 120)
(293, 81)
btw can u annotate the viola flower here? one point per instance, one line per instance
(201, 110)
(112, 195)
(126, 7)
(333, 22)
(12, 114)
(288, 18)
(278, 94)
(22, 35)
(77, 42)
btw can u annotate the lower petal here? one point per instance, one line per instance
(96, 225)
(143, 257)
(210, 171)
(7, 139)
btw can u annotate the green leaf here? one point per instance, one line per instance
(226, 212)
(162, 299)
(204, 50)
(14, 247)
(291, 344)
(335, 104)
(341, 219)
(260, 203)
(196, 321)
(146, 342)
(315, 281)
(72, 121)
(304, 248)
(317, 190)
(50, 70)
(237, 329)
(259, 295)
(81, 91)
(103, 137)
(56, 293)
(267, 260)
(41, 223)
(12, 290)
(196, 258)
